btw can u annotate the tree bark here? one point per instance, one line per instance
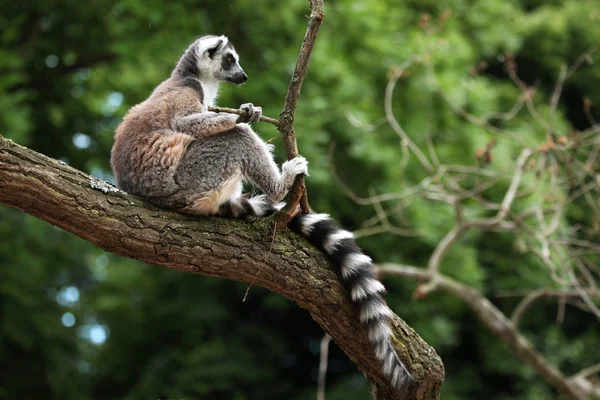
(123, 224)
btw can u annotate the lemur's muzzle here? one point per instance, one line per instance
(239, 78)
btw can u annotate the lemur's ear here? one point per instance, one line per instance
(213, 51)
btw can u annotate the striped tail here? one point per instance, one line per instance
(356, 269)
(249, 209)
(365, 290)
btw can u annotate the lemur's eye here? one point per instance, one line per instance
(230, 60)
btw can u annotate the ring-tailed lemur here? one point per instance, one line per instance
(174, 153)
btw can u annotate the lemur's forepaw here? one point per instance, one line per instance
(252, 113)
(296, 166)
(270, 147)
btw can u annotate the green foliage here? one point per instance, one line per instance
(78, 323)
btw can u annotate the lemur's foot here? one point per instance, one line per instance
(296, 166)
(252, 113)
(271, 147)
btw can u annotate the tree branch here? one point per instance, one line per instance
(323, 358)
(535, 295)
(582, 379)
(122, 224)
(242, 112)
(496, 322)
(286, 118)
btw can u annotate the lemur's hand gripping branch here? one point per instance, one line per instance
(242, 112)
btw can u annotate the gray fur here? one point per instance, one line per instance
(173, 152)
(207, 123)
(246, 153)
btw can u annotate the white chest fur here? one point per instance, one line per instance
(211, 91)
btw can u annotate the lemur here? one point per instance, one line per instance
(173, 152)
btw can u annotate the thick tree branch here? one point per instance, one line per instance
(117, 222)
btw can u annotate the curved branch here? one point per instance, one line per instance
(496, 322)
(122, 224)
(395, 74)
(525, 304)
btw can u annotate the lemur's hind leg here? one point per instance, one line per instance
(259, 167)
(212, 170)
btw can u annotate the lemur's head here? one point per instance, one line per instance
(218, 60)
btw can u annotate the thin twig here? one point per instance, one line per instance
(514, 184)
(593, 370)
(504, 116)
(443, 246)
(461, 112)
(584, 294)
(587, 56)
(535, 295)
(582, 379)
(389, 113)
(528, 94)
(560, 313)
(264, 262)
(323, 366)
(556, 96)
(241, 112)
(547, 292)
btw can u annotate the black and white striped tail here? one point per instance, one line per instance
(365, 290)
(356, 269)
(249, 209)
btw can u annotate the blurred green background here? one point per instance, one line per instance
(79, 323)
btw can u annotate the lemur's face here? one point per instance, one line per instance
(219, 60)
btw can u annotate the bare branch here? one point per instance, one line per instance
(582, 379)
(556, 97)
(378, 198)
(583, 293)
(585, 57)
(323, 366)
(505, 116)
(528, 94)
(538, 294)
(286, 118)
(495, 321)
(593, 370)
(565, 170)
(241, 112)
(461, 112)
(435, 261)
(395, 74)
